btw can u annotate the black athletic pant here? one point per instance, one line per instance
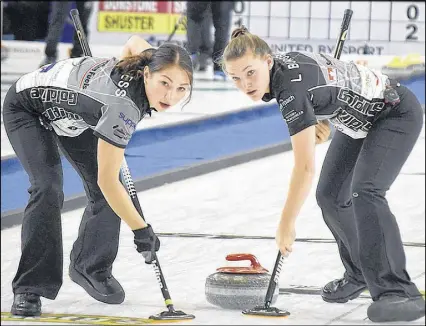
(41, 264)
(221, 17)
(198, 35)
(351, 193)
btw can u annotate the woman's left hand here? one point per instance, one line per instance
(286, 234)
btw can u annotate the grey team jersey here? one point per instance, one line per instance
(310, 87)
(81, 93)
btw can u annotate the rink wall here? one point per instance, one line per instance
(23, 56)
(175, 152)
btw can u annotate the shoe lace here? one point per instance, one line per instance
(341, 282)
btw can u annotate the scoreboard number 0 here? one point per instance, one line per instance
(239, 7)
(412, 15)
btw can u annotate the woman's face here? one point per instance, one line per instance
(167, 87)
(250, 74)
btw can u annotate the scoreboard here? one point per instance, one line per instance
(391, 21)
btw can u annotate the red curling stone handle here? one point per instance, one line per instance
(253, 260)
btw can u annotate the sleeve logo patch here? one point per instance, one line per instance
(120, 132)
(292, 116)
(284, 103)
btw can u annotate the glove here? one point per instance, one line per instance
(45, 123)
(146, 243)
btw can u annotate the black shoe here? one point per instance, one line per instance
(342, 290)
(106, 290)
(390, 308)
(26, 304)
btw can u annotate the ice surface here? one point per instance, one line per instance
(246, 200)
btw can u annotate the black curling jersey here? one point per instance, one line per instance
(76, 94)
(310, 87)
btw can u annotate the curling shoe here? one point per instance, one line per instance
(342, 290)
(393, 308)
(102, 288)
(26, 304)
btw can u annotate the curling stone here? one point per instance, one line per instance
(239, 287)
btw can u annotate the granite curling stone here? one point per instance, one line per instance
(239, 287)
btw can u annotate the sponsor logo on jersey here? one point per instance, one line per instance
(292, 116)
(120, 132)
(54, 95)
(127, 121)
(360, 103)
(284, 103)
(346, 119)
(90, 73)
(56, 113)
(122, 85)
(350, 125)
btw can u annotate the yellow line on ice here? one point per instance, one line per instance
(84, 319)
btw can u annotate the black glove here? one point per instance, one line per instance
(146, 243)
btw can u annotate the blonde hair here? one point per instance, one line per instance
(241, 41)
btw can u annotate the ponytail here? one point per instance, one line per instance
(239, 31)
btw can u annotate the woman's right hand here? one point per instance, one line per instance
(285, 237)
(147, 243)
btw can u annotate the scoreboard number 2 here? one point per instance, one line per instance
(412, 15)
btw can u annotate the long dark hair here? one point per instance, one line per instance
(167, 54)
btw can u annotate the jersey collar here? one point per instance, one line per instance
(135, 91)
